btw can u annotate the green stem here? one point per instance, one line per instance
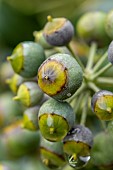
(84, 110)
(100, 62)
(101, 71)
(78, 102)
(93, 87)
(103, 124)
(105, 80)
(91, 56)
(79, 91)
(76, 57)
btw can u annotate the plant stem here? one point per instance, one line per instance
(93, 87)
(103, 124)
(84, 110)
(105, 80)
(79, 91)
(76, 57)
(78, 102)
(91, 56)
(101, 71)
(100, 62)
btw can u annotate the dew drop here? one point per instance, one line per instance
(79, 162)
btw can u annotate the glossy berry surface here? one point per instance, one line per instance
(79, 141)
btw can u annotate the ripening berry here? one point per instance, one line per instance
(26, 58)
(58, 31)
(102, 104)
(60, 76)
(78, 141)
(55, 119)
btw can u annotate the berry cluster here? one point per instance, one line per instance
(58, 90)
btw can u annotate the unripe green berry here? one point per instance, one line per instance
(14, 82)
(91, 27)
(55, 119)
(109, 24)
(26, 58)
(102, 151)
(29, 94)
(102, 104)
(9, 109)
(19, 141)
(30, 118)
(60, 76)
(78, 141)
(52, 154)
(58, 31)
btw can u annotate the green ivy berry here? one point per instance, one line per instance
(26, 58)
(102, 104)
(20, 141)
(52, 154)
(14, 82)
(58, 31)
(91, 27)
(60, 76)
(109, 24)
(29, 94)
(55, 119)
(30, 118)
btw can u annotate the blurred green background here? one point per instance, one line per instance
(19, 18)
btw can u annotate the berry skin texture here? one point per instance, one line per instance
(58, 31)
(55, 119)
(110, 52)
(26, 59)
(29, 94)
(90, 27)
(60, 76)
(102, 104)
(79, 141)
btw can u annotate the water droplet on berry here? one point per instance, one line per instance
(78, 162)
